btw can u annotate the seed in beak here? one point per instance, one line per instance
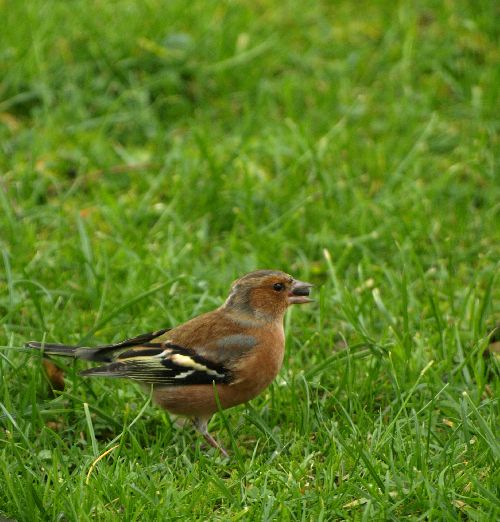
(299, 292)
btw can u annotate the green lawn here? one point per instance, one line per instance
(151, 152)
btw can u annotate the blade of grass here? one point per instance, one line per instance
(90, 427)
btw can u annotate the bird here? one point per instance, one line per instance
(219, 359)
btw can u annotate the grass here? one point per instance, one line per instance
(151, 152)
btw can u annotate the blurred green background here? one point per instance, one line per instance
(151, 152)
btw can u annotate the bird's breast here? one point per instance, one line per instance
(258, 368)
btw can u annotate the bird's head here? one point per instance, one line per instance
(267, 294)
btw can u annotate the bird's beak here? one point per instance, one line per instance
(299, 292)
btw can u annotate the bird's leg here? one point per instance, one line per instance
(201, 424)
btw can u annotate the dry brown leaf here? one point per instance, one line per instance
(54, 374)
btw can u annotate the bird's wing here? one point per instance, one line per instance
(133, 341)
(109, 352)
(163, 363)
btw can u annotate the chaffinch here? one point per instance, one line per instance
(237, 349)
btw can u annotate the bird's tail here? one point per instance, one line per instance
(103, 353)
(53, 349)
(77, 352)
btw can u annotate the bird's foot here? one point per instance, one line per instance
(201, 425)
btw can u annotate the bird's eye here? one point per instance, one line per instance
(278, 287)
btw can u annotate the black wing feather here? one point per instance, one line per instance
(106, 353)
(163, 363)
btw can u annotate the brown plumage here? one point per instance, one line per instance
(238, 347)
